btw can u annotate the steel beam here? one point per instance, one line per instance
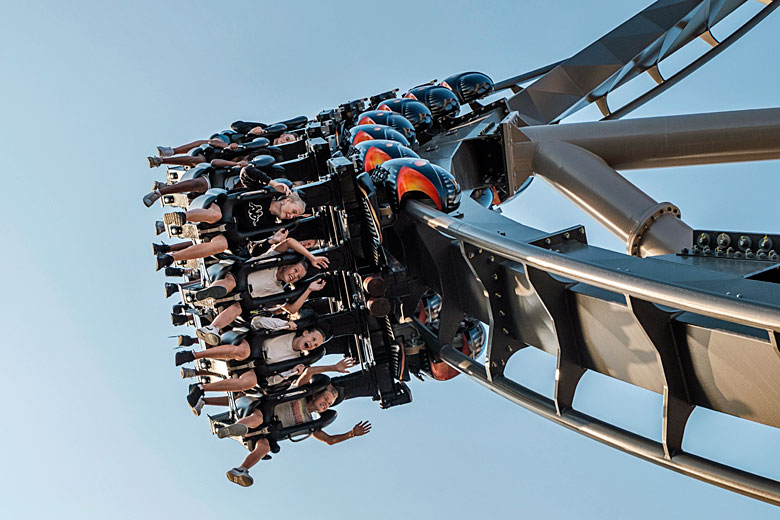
(711, 472)
(719, 305)
(647, 227)
(656, 142)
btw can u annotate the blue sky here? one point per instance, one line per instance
(96, 425)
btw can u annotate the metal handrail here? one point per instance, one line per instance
(729, 308)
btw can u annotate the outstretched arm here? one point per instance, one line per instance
(361, 428)
(295, 306)
(320, 262)
(342, 366)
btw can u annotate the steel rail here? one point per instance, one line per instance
(526, 76)
(709, 471)
(693, 66)
(725, 307)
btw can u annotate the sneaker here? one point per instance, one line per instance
(157, 185)
(163, 260)
(187, 373)
(160, 248)
(209, 334)
(165, 151)
(184, 356)
(179, 319)
(159, 227)
(195, 395)
(171, 289)
(215, 291)
(186, 341)
(154, 162)
(240, 476)
(198, 407)
(175, 219)
(174, 272)
(179, 308)
(234, 430)
(151, 197)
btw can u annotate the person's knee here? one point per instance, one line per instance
(262, 445)
(257, 415)
(219, 243)
(248, 380)
(242, 351)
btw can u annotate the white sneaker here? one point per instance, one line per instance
(209, 334)
(240, 476)
(165, 151)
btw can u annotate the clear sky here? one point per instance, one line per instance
(96, 424)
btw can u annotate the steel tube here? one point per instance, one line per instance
(727, 477)
(654, 142)
(727, 308)
(621, 207)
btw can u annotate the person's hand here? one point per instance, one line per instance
(232, 146)
(291, 325)
(320, 262)
(279, 236)
(243, 163)
(258, 130)
(280, 187)
(345, 364)
(361, 428)
(218, 143)
(298, 369)
(317, 285)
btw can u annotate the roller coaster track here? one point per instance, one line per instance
(691, 315)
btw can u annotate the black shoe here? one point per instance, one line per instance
(159, 227)
(163, 261)
(215, 291)
(179, 308)
(174, 271)
(151, 197)
(194, 398)
(186, 341)
(160, 248)
(179, 319)
(175, 219)
(170, 289)
(184, 356)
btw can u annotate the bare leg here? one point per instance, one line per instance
(209, 215)
(228, 282)
(261, 450)
(184, 160)
(246, 381)
(217, 245)
(227, 316)
(253, 420)
(189, 146)
(225, 352)
(200, 372)
(199, 185)
(180, 246)
(217, 401)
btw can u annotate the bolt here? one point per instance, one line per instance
(498, 295)
(491, 259)
(744, 242)
(739, 295)
(724, 240)
(508, 348)
(547, 241)
(501, 313)
(471, 254)
(495, 277)
(505, 331)
(566, 236)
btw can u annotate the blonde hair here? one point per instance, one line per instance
(296, 199)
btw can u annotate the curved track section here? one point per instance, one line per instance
(668, 324)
